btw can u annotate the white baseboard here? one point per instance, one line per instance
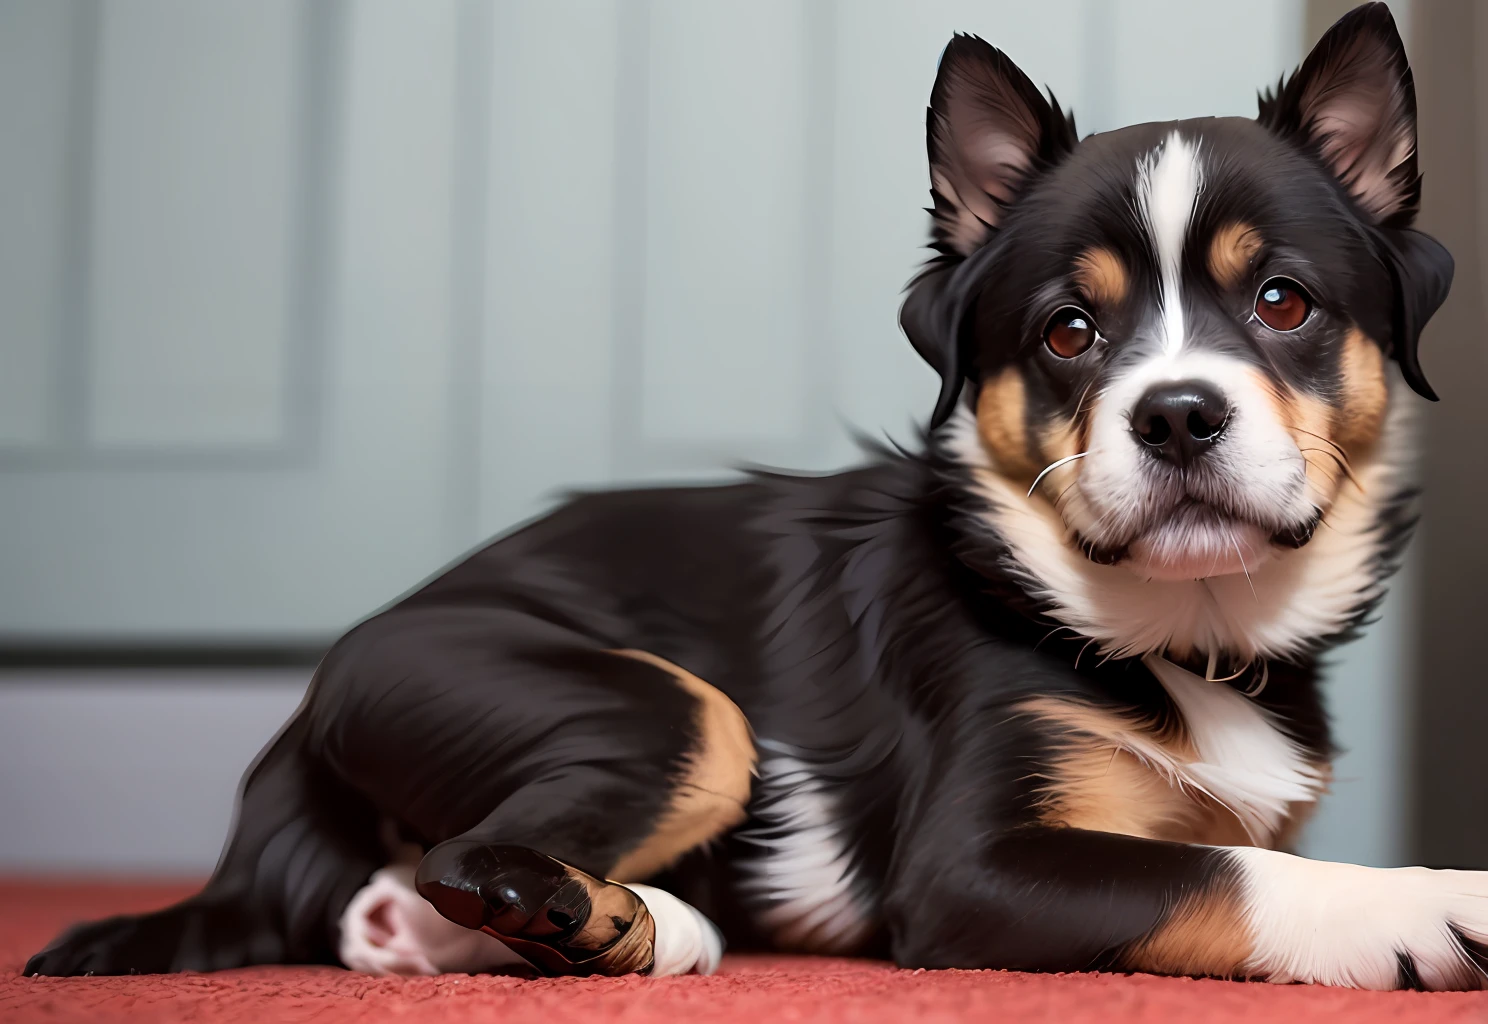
(130, 771)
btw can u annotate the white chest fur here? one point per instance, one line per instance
(1243, 757)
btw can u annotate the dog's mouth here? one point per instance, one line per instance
(1197, 540)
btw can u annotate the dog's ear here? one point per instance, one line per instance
(987, 129)
(935, 314)
(1421, 269)
(1353, 105)
(930, 323)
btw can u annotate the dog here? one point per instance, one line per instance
(1038, 693)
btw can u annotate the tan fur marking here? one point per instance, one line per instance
(1094, 782)
(710, 795)
(1361, 415)
(1059, 440)
(1330, 436)
(1310, 422)
(1206, 934)
(1102, 276)
(1001, 421)
(615, 913)
(1233, 247)
(1106, 789)
(1311, 425)
(1100, 723)
(620, 928)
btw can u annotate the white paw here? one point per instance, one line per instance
(388, 928)
(1340, 924)
(686, 941)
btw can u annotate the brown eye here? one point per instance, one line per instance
(1282, 305)
(1069, 332)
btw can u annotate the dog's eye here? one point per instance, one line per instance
(1282, 305)
(1069, 332)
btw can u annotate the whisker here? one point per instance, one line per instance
(1339, 454)
(1332, 477)
(1051, 632)
(1080, 405)
(1051, 467)
(1214, 563)
(1326, 440)
(1083, 649)
(1265, 678)
(1236, 545)
(1342, 464)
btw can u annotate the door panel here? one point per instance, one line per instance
(192, 271)
(37, 74)
(259, 446)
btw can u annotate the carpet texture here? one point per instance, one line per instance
(748, 989)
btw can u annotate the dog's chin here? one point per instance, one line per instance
(1195, 553)
(1195, 543)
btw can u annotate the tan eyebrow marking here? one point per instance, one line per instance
(1102, 276)
(1233, 247)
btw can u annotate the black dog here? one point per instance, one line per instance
(1041, 694)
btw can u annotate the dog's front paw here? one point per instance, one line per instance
(1359, 927)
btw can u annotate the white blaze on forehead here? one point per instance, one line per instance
(1168, 183)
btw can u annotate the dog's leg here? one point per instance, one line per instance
(301, 846)
(1040, 898)
(557, 915)
(490, 733)
(546, 772)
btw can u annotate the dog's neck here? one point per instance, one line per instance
(1292, 606)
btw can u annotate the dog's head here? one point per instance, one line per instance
(1178, 334)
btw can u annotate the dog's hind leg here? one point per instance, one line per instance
(545, 771)
(301, 845)
(619, 821)
(537, 765)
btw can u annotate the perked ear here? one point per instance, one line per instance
(987, 129)
(1353, 104)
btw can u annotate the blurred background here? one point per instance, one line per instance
(301, 300)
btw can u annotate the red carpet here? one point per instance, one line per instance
(749, 989)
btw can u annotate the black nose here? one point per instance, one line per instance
(1181, 421)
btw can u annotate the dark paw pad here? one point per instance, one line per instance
(560, 919)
